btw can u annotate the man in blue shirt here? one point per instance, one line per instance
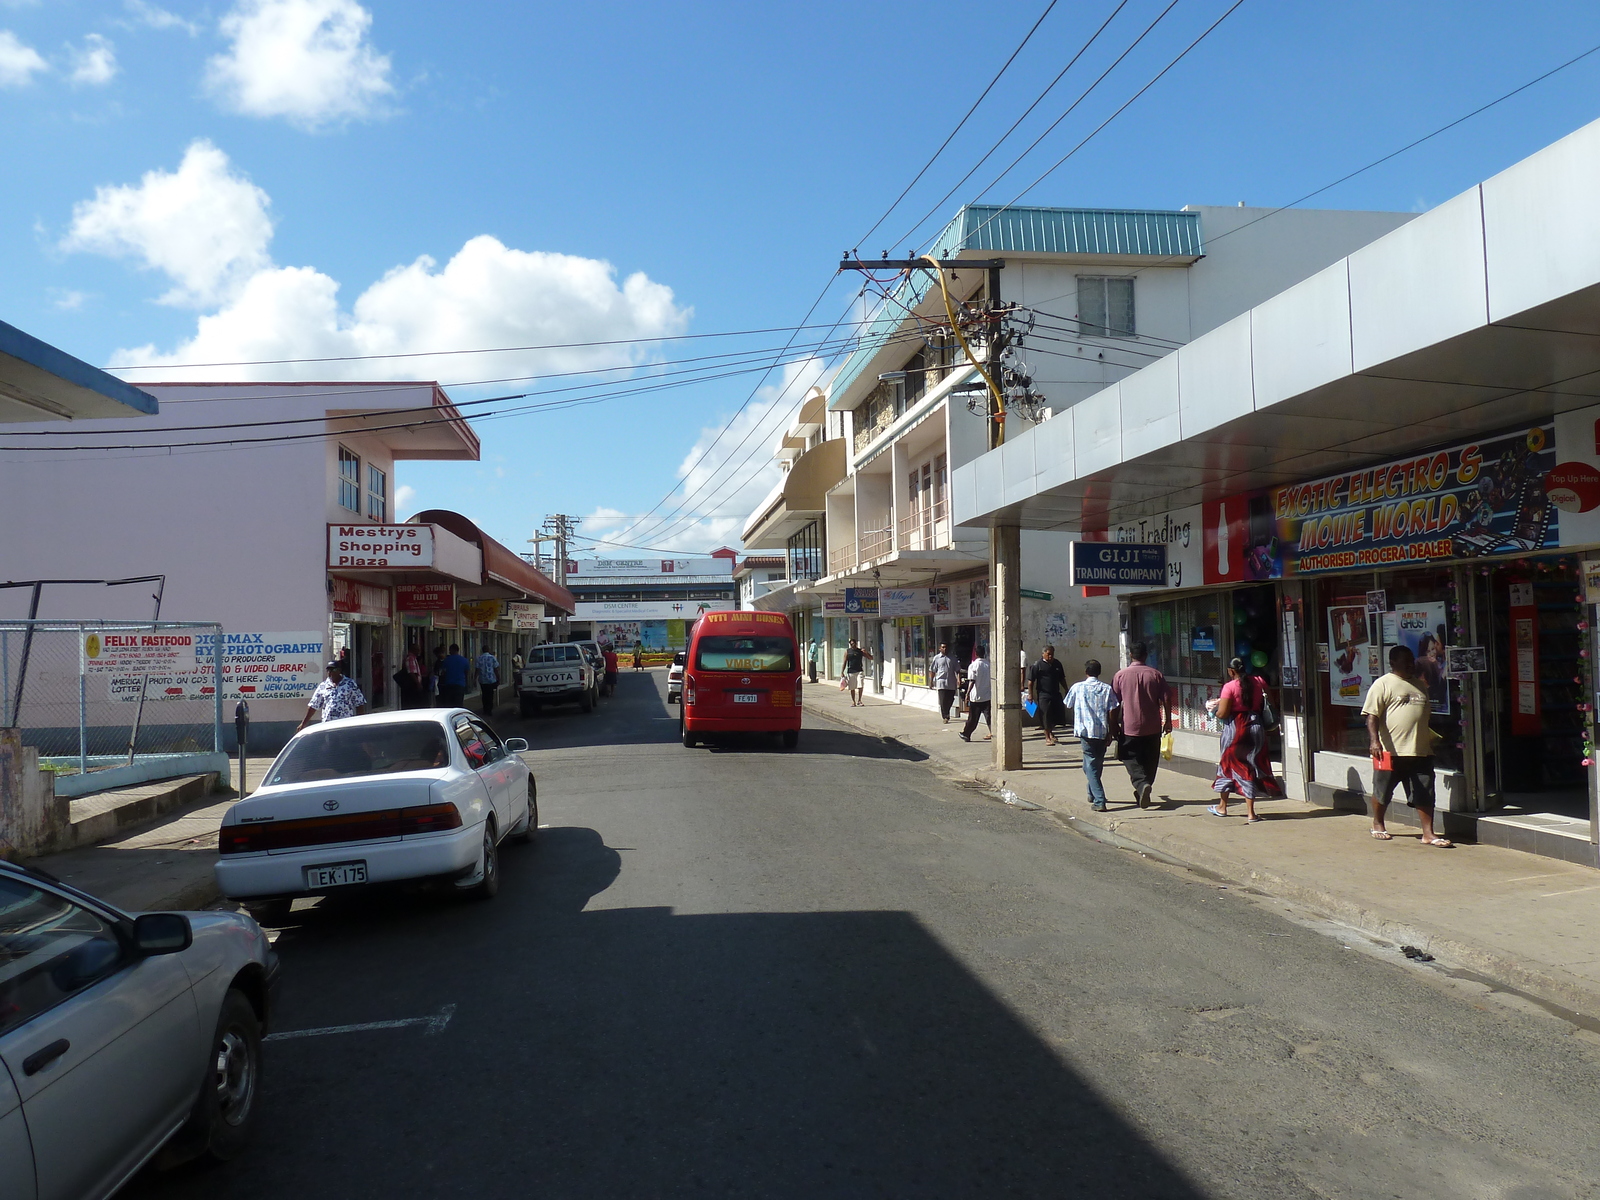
(453, 678)
(488, 668)
(1091, 701)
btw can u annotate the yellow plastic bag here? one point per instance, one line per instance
(1166, 744)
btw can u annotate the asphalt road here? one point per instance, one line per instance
(745, 972)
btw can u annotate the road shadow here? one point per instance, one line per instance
(637, 1052)
(815, 739)
(638, 713)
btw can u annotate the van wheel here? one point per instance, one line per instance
(791, 738)
(689, 739)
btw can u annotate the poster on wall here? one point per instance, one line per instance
(268, 666)
(1352, 652)
(1466, 501)
(1421, 629)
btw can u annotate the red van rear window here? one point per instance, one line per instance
(747, 653)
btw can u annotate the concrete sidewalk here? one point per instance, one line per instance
(1530, 922)
(160, 865)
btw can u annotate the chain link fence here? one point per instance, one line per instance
(96, 695)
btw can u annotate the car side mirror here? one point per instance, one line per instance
(516, 745)
(162, 933)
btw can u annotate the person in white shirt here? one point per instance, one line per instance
(978, 696)
(942, 675)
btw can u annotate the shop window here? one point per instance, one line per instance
(377, 494)
(349, 480)
(1105, 306)
(913, 637)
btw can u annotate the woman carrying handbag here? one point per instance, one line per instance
(1246, 719)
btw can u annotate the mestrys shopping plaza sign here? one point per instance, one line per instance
(1488, 497)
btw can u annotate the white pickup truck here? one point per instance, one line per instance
(557, 673)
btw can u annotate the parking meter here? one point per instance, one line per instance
(241, 729)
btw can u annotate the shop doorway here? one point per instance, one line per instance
(1534, 755)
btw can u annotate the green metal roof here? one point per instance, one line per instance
(995, 229)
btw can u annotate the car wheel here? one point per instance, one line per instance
(531, 831)
(689, 739)
(586, 702)
(488, 884)
(528, 707)
(791, 738)
(233, 1078)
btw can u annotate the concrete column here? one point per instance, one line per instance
(1005, 599)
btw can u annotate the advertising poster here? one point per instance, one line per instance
(266, 666)
(152, 650)
(1479, 498)
(1353, 654)
(1421, 628)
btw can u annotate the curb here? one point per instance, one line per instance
(1547, 983)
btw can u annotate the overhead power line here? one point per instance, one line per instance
(959, 124)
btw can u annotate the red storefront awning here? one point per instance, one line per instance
(500, 565)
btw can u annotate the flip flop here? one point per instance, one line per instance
(1254, 820)
(1382, 835)
(1216, 812)
(1446, 843)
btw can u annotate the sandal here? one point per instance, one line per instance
(1254, 820)
(1446, 843)
(1216, 812)
(1383, 835)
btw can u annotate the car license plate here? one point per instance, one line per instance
(336, 875)
(746, 697)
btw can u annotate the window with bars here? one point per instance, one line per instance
(1105, 306)
(349, 480)
(377, 494)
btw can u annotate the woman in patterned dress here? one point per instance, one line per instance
(1244, 767)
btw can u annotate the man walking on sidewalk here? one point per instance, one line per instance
(488, 668)
(453, 668)
(1144, 714)
(855, 667)
(1046, 682)
(1397, 709)
(942, 668)
(978, 696)
(1092, 701)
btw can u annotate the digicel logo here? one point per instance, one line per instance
(1573, 487)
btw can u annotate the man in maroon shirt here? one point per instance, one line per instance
(1143, 714)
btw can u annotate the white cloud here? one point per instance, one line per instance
(204, 225)
(404, 499)
(308, 61)
(67, 300)
(153, 17)
(19, 62)
(94, 63)
(723, 478)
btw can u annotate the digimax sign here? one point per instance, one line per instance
(380, 547)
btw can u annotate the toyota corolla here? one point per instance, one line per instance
(416, 795)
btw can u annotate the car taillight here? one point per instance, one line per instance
(688, 688)
(350, 827)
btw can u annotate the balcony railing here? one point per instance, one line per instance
(842, 558)
(927, 528)
(875, 543)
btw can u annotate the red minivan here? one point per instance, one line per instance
(742, 676)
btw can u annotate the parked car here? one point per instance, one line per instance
(742, 676)
(419, 795)
(124, 1036)
(558, 673)
(675, 677)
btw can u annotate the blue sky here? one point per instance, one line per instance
(248, 179)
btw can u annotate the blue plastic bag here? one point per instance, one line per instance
(1030, 707)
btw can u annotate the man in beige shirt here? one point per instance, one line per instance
(1397, 710)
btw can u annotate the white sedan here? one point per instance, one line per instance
(675, 677)
(424, 794)
(123, 1037)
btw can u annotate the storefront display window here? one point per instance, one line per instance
(912, 637)
(1191, 640)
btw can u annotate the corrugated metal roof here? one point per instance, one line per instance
(1144, 232)
(1147, 233)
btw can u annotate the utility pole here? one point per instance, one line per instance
(558, 528)
(1005, 541)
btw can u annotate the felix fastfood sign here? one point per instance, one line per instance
(380, 547)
